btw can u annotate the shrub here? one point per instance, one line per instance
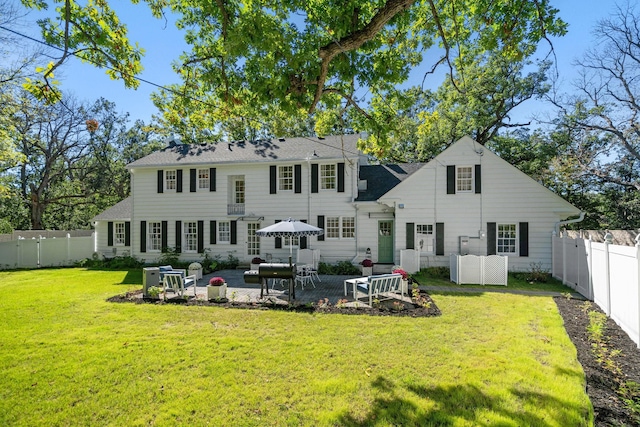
(405, 275)
(341, 268)
(439, 272)
(229, 264)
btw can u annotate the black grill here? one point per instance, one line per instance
(271, 271)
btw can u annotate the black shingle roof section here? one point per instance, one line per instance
(382, 178)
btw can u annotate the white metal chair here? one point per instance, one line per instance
(309, 258)
(304, 276)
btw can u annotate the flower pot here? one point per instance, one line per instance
(216, 291)
(405, 286)
(255, 267)
(367, 271)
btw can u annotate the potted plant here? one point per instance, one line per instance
(217, 288)
(255, 263)
(405, 278)
(195, 269)
(367, 267)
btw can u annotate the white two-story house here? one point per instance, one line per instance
(197, 197)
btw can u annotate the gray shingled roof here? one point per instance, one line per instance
(331, 147)
(120, 211)
(382, 178)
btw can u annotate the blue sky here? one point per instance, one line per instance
(163, 44)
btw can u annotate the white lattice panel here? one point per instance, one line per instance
(470, 269)
(495, 270)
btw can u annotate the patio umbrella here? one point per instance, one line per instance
(289, 228)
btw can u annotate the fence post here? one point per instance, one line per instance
(590, 268)
(68, 260)
(608, 238)
(563, 239)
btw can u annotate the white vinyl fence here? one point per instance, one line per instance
(43, 252)
(479, 270)
(604, 273)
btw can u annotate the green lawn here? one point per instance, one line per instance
(71, 358)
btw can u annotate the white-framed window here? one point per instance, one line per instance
(328, 177)
(340, 227)
(506, 238)
(285, 178)
(348, 227)
(424, 237)
(224, 232)
(190, 231)
(291, 241)
(203, 179)
(464, 179)
(154, 236)
(239, 190)
(119, 234)
(170, 180)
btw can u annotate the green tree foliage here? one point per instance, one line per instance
(255, 67)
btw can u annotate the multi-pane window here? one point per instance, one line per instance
(506, 239)
(424, 239)
(118, 233)
(285, 178)
(224, 232)
(290, 241)
(337, 227)
(154, 237)
(190, 236)
(348, 227)
(170, 180)
(203, 178)
(464, 181)
(328, 177)
(239, 191)
(332, 228)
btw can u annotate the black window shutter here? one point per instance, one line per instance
(212, 179)
(178, 236)
(234, 232)
(110, 233)
(492, 241)
(278, 239)
(410, 235)
(179, 181)
(321, 225)
(143, 236)
(297, 177)
(524, 239)
(273, 179)
(160, 181)
(439, 238)
(213, 232)
(200, 237)
(340, 177)
(127, 233)
(193, 179)
(314, 178)
(163, 238)
(303, 239)
(451, 179)
(478, 179)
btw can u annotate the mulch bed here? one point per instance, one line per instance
(391, 307)
(602, 384)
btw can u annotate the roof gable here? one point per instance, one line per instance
(120, 211)
(382, 178)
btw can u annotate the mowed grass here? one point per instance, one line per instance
(70, 358)
(513, 283)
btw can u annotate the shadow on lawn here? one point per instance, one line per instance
(453, 403)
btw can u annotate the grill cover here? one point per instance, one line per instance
(276, 271)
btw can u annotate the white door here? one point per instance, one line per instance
(253, 240)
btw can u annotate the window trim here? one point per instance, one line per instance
(328, 179)
(515, 238)
(470, 179)
(150, 240)
(340, 227)
(426, 230)
(185, 237)
(203, 180)
(167, 180)
(284, 179)
(219, 232)
(116, 225)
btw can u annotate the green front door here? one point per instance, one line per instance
(385, 242)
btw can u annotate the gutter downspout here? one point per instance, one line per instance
(569, 221)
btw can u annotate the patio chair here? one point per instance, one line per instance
(177, 283)
(304, 276)
(309, 258)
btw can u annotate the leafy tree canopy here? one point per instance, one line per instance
(255, 60)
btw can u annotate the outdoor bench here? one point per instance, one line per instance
(374, 286)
